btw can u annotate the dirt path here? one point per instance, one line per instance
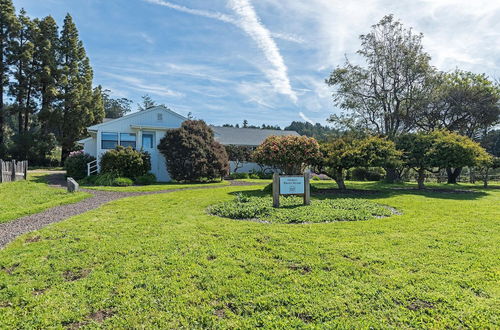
(10, 230)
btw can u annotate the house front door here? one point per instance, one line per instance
(149, 143)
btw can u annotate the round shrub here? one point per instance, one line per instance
(122, 182)
(192, 154)
(366, 174)
(146, 179)
(76, 164)
(126, 162)
(237, 175)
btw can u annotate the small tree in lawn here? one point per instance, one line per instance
(342, 154)
(417, 154)
(291, 154)
(238, 154)
(451, 150)
(192, 154)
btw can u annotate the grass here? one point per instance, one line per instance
(292, 210)
(22, 198)
(157, 186)
(160, 261)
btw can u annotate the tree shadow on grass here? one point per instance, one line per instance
(379, 192)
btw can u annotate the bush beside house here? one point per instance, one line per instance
(192, 154)
(76, 164)
(126, 162)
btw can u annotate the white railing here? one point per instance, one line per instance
(92, 168)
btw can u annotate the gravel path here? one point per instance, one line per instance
(10, 230)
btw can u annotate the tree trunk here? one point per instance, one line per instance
(339, 179)
(421, 178)
(472, 175)
(392, 175)
(485, 178)
(453, 174)
(2, 76)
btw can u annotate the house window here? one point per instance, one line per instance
(159, 117)
(148, 140)
(109, 140)
(127, 140)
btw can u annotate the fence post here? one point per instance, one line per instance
(1, 171)
(25, 163)
(276, 190)
(307, 188)
(13, 176)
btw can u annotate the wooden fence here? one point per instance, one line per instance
(13, 171)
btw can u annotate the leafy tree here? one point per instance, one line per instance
(291, 154)
(453, 151)
(386, 94)
(462, 102)
(115, 108)
(9, 27)
(341, 154)
(245, 123)
(239, 154)
(491, 142)
(192, 154)
(417, 154)
(485, 164)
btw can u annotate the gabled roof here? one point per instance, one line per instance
(246, 136)
(134, 114)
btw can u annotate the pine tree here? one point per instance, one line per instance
(24, 71)
(75, 84)
(46, 47)
(8, 31)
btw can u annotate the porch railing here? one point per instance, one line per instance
(92, 168)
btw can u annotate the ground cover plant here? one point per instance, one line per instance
(22, 198)
(292, 211)
(172, 265)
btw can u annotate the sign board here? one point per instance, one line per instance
(291, 185)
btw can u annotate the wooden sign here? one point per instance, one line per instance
(291, 185)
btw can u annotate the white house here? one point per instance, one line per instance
(144, 129)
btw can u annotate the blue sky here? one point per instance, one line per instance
(261, 60)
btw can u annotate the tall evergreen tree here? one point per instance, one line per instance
(75, 111)
(46, 47)
(8, 31)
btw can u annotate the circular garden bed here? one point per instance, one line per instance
(292, 210)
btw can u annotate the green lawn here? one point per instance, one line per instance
(157, 186)
(160, 261)
(32, 196)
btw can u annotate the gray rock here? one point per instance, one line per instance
(72, 185)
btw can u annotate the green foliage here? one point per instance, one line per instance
(317, 131)
(491, 142)
(192, 154)
(76, 164)
(288, 153)
(146, 179)
(342, 154)
(106, 179)
(292, 209)
(122, 182)
(237, 175)
(126, 162)
(388, 92)
(366, 174)
(115, 108)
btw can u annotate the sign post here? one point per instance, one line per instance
(291, 185)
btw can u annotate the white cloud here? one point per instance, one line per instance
(139, 85)
(304, 117)
(251, 24)
(203, 13)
